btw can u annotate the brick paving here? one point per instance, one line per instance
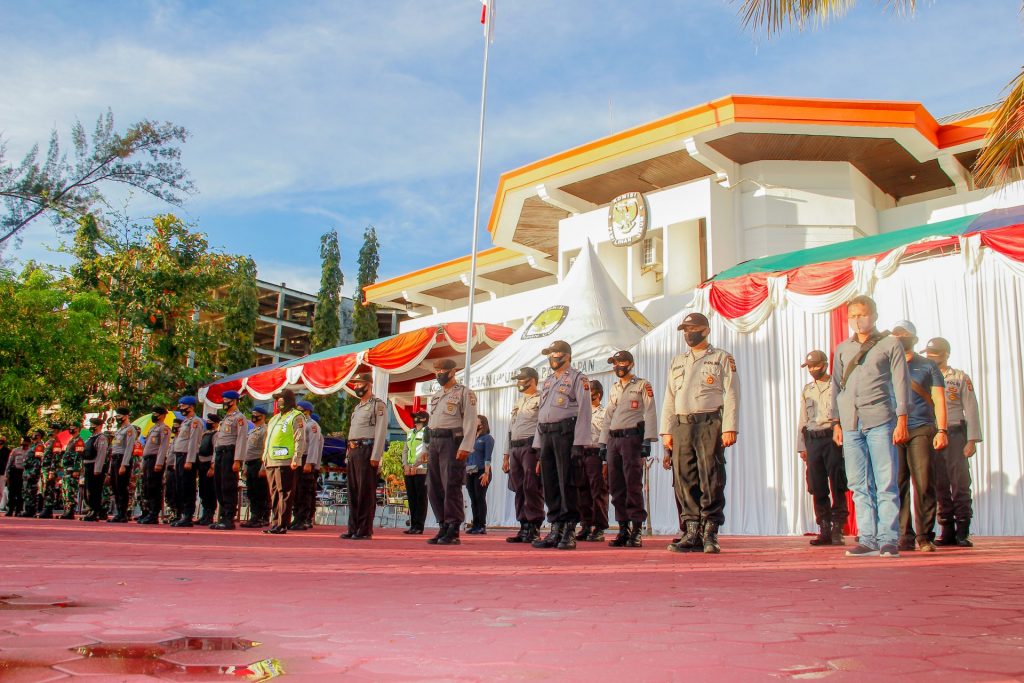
(130, 603)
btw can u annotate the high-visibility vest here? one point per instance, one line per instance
(413, 442)
(281, 435)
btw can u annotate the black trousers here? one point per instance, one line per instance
(698, 469)
(362, 491)
(477, 498)
(15, 490)
(207, 488)
(226, 483)
(556, 471)
(626, 478)
(592, 489)
(185, 486)
(94, 490)
(119, 485)
(524, 481)
(826, 473)
(305, 496)
(152, 486)
(170, 480)
(257, 490)
(416, 492)
(915, 465)
(282, 494)
(445, 478)
(952, 476)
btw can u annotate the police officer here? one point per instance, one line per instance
(120, 472)
(414, 469)
(698, 422)
(228, 455)
(826, 469)
(631, 424)
(154, 457)
(71, 470)
(367, 432)
(520, 461)
(15, 476)
(452, 432)
(255, 475)
(592, 474)
(952, 471)
(204, 469)
(305, 488)
(186, 449)
(31, 474)
(285, 443)
(48, 472)
(94, 457)
(563, 431)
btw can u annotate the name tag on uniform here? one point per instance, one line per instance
(280, 450)
(634, 404)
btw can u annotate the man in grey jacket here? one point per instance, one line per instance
(870, 394)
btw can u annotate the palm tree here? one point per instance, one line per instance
(1004, 144)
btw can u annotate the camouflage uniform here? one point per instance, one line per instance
(71, 471)
(33, 468)
(48, 476)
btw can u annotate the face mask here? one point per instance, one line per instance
(694, 338)
(523, 386)
(155, 418)
(817, 374)
(861, 325)
(908, 343)
(443, 378)
(556, 363)
(361, 391)
(622, 370)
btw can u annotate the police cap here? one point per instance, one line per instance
(815, 358)
(526, 373)
(694, 319)
(557, 347)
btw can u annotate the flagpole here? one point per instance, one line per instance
(489, 18)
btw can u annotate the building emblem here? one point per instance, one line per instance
(627, 219)
(546, 322)
(638, 319)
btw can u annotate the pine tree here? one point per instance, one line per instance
(365, 314)
(326, 331)
(240, 319)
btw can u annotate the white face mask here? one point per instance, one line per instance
(863, 325)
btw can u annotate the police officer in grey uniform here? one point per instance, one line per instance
(563, 431)
(520, 461)
(367, 432)
(451, 429)
(630, 425)
(154, 457)
(305, 492)
(592, 474)
(186, 449)
(826, 469)
(255, 476)
(94, 457)
(227, 460)
(121, 449)
(952, 470)
(699, 421)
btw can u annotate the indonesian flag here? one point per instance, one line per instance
(487, 18)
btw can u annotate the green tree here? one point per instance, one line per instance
(145, 157)
(240, 319)
(53, 348)
(364, 317)
(327, 326)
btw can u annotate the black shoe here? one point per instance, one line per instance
(596, 536)
(948, 535)
(622, 537)
(149, 520)
(636, 535)
(824, 536)
(837, 534)
(275, 530)
(690, 541)
(223, 526)
(67, 515)
(963, 534)
(204, 521)
(116, 519)
(553, 537)
(90, 518)
(908, 545)
(451, 537)
(183, 523)
(47, 513)
(362, 537)
(584, 533)
(441, 532)
(710, 533)
(410, 531)
(297, 526)
(568, 539)
(348, 534)
(521, 536)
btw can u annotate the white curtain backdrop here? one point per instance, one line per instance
(981, 314)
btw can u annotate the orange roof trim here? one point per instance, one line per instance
(450, 268)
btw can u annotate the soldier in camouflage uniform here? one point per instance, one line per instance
(48, 472)
(33, 468)
(71, 471)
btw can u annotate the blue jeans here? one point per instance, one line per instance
(871, 474)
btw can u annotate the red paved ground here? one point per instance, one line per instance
(396, 608)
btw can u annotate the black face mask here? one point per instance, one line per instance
(556, 363)
(908, 343)
(443, 378)
(622, 370)
(523, 386)
(156, 418)
(817, 374)
(361, 391)
(693, 338)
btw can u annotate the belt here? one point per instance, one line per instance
(360, 443)
(567, 426)
(588, 450)
(619, 433)
(818, 433)
(445, 433)
(519, 443)
(958, 427)
(694, 418)
(226, 449)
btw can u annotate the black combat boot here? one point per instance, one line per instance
(824, 536)
(711, 538)
(636, 535)
(532, 532)
(70, 514)
(963, 533)
(948, 536)
(691, 540)
(451, 537)
(596, 536)
(521, 536)
(837, 533)
(622, 537)
(47, 513)
(584, 533)
(568, 539)
(551, 540)
(442, 531)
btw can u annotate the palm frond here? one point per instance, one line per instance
(1004, 145)
(773, 16)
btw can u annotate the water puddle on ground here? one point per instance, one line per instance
(152, 659)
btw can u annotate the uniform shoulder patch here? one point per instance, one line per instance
(314, 428)
(732, 363)
(970, 385)
(586, 384)
(649, 390)
(472, 397)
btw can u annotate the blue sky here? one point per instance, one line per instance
(319, 115)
